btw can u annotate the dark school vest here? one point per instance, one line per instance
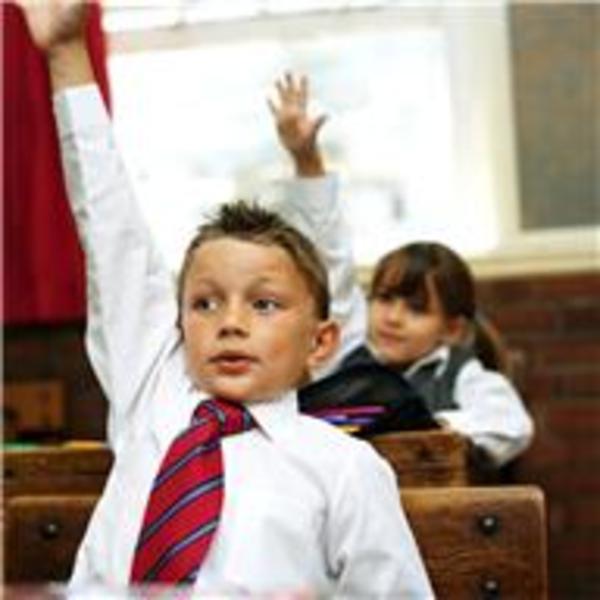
(438, 391)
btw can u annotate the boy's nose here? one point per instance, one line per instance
(234, 320)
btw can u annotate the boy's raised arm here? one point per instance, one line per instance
(130, 293)
(311, 203)
(58, 29)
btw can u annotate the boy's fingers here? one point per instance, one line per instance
(281, 89)
(303, 89)
(320, 121)
(289, 80)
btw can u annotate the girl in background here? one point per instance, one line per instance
(421, 318)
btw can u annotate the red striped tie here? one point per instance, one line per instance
(185, 502)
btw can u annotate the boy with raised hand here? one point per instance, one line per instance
(218, 482)
(423, 323)
(310, 202)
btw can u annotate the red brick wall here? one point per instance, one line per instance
(552, 323)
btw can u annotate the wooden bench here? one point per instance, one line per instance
(481, 542)
(426, 458)
(74, 468)
(419, 458)
(477, 542)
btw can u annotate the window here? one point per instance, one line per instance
(418, 95)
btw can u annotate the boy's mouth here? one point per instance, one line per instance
(233, 363)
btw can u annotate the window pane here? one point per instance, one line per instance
(556, 53)
(207, 133)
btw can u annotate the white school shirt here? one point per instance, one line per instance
(490, 412)
(306, 506)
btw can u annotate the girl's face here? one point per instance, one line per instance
(401, 330)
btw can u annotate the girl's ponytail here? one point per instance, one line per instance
(489, 346)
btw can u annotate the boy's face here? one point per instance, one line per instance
(402, 333)
(249, 325)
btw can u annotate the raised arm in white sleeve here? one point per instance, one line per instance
(312, 205)
(130, 294)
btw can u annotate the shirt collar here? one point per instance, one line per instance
(441, 354)
(272, 416)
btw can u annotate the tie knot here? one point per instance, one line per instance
(229, 417)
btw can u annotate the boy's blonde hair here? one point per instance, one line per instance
(247, 221)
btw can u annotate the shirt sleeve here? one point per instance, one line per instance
(490, 413)
(372, 549)
(312, 205)
(130, 293)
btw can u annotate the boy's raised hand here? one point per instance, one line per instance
(58, 29)
(297, 131)
(54, 22)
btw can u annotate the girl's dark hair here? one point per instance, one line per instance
(410, 270)
(247, 221)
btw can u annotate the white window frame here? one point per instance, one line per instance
(482, 100)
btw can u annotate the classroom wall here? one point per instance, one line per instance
(552, 324)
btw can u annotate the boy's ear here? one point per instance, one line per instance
(325, 342)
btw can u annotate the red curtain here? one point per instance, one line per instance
(43, 262)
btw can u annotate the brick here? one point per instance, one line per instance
(579, 549)
(545, 454)
(506, 290)
(578, 481)
(582, 384)
(575, 420)
(565, 351)
(540, 385)
(566, 286)
(584, 318)
(583, 514)
(578, 583)
(527, 319)
(494, 292)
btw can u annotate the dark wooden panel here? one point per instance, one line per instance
(68, 469)
(482, 542)
(42, 534)
(425, 458)
(477, 542)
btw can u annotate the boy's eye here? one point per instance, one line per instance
(205, 304)
(266, 305)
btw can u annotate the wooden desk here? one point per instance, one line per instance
(426, 458)
(487, 542)
(419, 458)
(477, 542)
(74, 468)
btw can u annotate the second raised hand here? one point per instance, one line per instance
(54, 22)
(296, 130)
